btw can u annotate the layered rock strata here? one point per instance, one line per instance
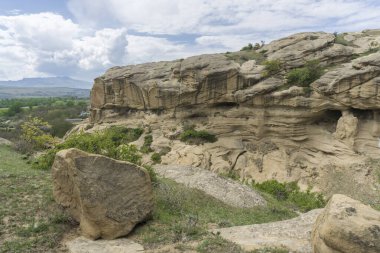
(266, 127)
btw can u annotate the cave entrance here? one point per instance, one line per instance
(363, 114)
(329, 119)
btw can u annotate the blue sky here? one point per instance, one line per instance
(82, 38)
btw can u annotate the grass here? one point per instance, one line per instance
(183, 215)
(30, 220)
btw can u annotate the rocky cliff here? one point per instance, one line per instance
(305, 107)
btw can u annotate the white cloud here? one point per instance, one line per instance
(48, 44)
(105, 33)
(209, 17)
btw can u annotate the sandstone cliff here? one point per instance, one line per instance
(324, 134)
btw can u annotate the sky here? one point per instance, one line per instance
(83, 38)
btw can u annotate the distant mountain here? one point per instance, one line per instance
(48, 82)
(25, 92)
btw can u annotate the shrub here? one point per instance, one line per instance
(291, 193)
(306, 75)
(197, 137)
(128, 153)
(156, 158)
(247, 48)
(272, 67)
(112, 142)
(146, 147)
(45, 161)
(36, 132)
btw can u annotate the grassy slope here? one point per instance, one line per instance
(30, 221)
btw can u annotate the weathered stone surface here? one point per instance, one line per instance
(347, 226)
(108, 197)
(293, 234)
(84, 245)
(226, 190)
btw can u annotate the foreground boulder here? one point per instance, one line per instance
(108, 197)
(347, 226)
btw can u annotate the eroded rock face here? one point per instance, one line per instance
(347, 226)
(320, 135)
(108, 197)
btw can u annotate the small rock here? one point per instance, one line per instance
(347, 226)
(108, 197)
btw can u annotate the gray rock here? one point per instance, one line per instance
(226, 190)
(293, 234)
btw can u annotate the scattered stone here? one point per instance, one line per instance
(84, 245)
(5, 142)
(293, 234)
(226, 190)
(347, 226)
(108, 197)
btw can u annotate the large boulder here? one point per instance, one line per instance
(108, 197)
(347, 226)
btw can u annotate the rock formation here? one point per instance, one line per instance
(226, 190)
(347, 226)
(266, 126)
(108, 197)
(292, 235)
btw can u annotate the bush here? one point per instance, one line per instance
(36, 132)
(303, 77)
(112, 142)
(146, 147)
(128, 153)
(290, 192)
(272, 67)
(247, 48)
(45, 161)
(156, 158)
(197, 137)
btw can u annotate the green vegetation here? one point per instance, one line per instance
(156, 158)
(35, 132)
(216, 244)
(246, 55)
(112, 142)
(182, 214)
(146, 147)
(54, 111)
(193, 136)
(30, 220)
(272, 67)
(304, 76)
(291, 193)
(339, 39)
